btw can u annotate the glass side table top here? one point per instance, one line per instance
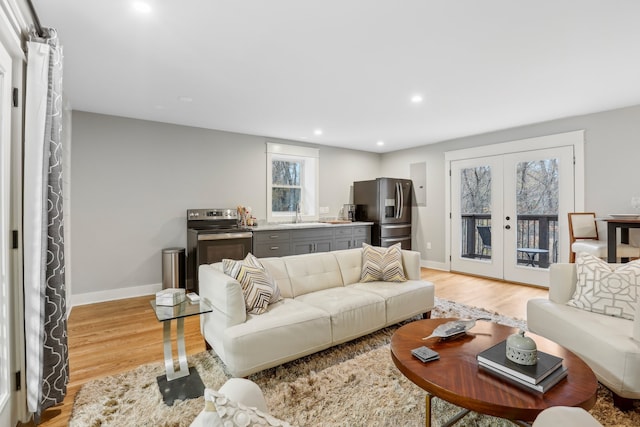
(184, 309)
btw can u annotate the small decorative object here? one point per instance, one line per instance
(170, 297)
(453, 328)
(522, 350)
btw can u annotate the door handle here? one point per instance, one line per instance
(508, 218)
(508, 227)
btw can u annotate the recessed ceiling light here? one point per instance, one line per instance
(416, 99)
(185, 99)
(317, 132)
(142, 7)
(380, 143)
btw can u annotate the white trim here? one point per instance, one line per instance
(434, 265)
(573, 138)
(115, 294)
(292, 150)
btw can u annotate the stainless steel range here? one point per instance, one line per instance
(213, 234)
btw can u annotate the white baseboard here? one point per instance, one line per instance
(114, 294)
(434, 265)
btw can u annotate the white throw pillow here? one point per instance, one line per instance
(382, 264)
(606, 289)
(236, 414)
(220, 411)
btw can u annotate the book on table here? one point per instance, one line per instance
(496, 358)
(548, 382)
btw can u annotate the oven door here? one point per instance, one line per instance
(214, 247)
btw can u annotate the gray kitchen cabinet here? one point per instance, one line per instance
(275, 243)
(271, 243)
(310, 240)
(352, 237)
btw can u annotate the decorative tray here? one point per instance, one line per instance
(625, 216)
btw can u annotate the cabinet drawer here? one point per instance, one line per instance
(271, 249)
(361, 231)
(271, 236)
(312, 233)
(343, 231)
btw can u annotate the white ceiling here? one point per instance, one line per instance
(284, 68)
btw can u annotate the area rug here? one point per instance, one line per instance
(353, 384)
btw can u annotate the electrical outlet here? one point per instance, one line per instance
(428, 245)
(324, 209)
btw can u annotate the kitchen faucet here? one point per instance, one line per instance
(298, 217)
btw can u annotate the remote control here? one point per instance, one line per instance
(425, 354)
(193, 297)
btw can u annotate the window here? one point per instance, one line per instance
(292, 182)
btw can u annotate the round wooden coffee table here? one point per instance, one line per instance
(456, 378)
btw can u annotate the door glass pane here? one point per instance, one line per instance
(537, 209)
(475, 212)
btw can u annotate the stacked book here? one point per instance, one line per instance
(539, 377)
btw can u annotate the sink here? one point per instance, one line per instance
(304, 224)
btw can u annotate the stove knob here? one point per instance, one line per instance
(194, 215)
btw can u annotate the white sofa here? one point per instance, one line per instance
(605, 343)
(323, 305)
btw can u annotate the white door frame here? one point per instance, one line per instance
(574, 139)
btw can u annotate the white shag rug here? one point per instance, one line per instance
(352, 384)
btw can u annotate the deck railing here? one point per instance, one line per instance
(533, 231)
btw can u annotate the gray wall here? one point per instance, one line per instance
(133, 181)
(612, 159)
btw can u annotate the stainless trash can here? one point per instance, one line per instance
(173, 260)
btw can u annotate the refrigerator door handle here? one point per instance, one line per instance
(401, 210)
(398, 204)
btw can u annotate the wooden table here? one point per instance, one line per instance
(457, 379)
(613, 224)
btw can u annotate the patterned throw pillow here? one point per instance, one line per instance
(234, 414)
(255, 288)
(382, 264)
(606, 289)
(232, 267)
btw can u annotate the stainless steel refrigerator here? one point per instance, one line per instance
(387, 203)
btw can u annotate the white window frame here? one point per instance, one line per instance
(310, 159)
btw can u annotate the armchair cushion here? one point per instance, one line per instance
(606, 289)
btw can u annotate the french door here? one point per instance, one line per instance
(508, 213)
(6, 319)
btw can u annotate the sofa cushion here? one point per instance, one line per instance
(353, 313)
(313, 272)
(606, 289)
(403, 300)
(289, 329)
(382, 264)
(232, 268)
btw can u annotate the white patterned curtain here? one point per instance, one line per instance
(44, 269)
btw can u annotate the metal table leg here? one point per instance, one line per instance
(183, 369)
(457, 417)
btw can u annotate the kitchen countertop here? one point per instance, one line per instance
(303, 225)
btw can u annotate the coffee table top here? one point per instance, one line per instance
(457, 379)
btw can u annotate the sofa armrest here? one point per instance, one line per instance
(223, 293)
(411, 264)
(562, 282)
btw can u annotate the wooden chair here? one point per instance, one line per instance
(583, 237)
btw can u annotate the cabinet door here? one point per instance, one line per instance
(343, 243)
(323, 245)
(302, 247)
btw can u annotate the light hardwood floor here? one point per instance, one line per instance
(117, 336)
